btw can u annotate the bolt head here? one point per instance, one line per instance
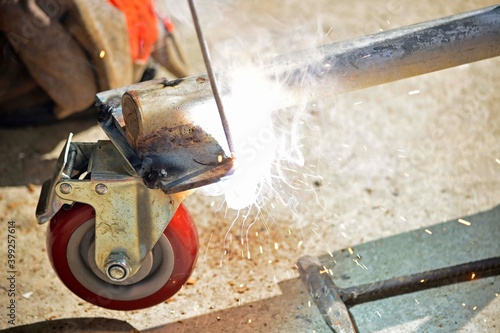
(117, 267)
(65, 188)
(101, 189)
(117, 272)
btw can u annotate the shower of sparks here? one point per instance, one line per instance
(464, 222)
(428, 231)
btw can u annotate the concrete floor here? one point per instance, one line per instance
(377, 162)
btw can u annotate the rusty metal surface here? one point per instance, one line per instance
(176, 131)
(169, 131)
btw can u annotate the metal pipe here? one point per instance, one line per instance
(392, 55)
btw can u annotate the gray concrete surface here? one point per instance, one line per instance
(377, 162)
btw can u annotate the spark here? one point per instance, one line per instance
(402, 218)
(260, 249)
(330, 253)
(414, 92)
(379, 314)
(249, 321)
(330, 30)
(367, 56)
(428, 231)
(276, 246)
(464, 222)
(351, 251)
(497, 160)
(299, 244)
(416, 301)
(382, 208)
(219, 158)
(474, 308)
(308, 304)
(463, 304)
(360, 265)
(422, 281)
(102, 54)
(270, 261)
(473, 276)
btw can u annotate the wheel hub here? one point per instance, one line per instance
(117, 283)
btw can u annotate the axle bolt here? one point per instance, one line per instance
(117, 272)
(65, 188)
(101, 189)
(117, 268)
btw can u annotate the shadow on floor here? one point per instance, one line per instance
(22, 148)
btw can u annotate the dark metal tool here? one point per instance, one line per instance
(333, 302)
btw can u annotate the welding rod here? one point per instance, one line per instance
(392, 55)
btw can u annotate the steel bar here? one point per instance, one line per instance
(392, 55)
(333, 302)
(420, 281)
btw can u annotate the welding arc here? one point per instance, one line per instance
(211, 76)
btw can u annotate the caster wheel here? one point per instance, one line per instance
(71, 250)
